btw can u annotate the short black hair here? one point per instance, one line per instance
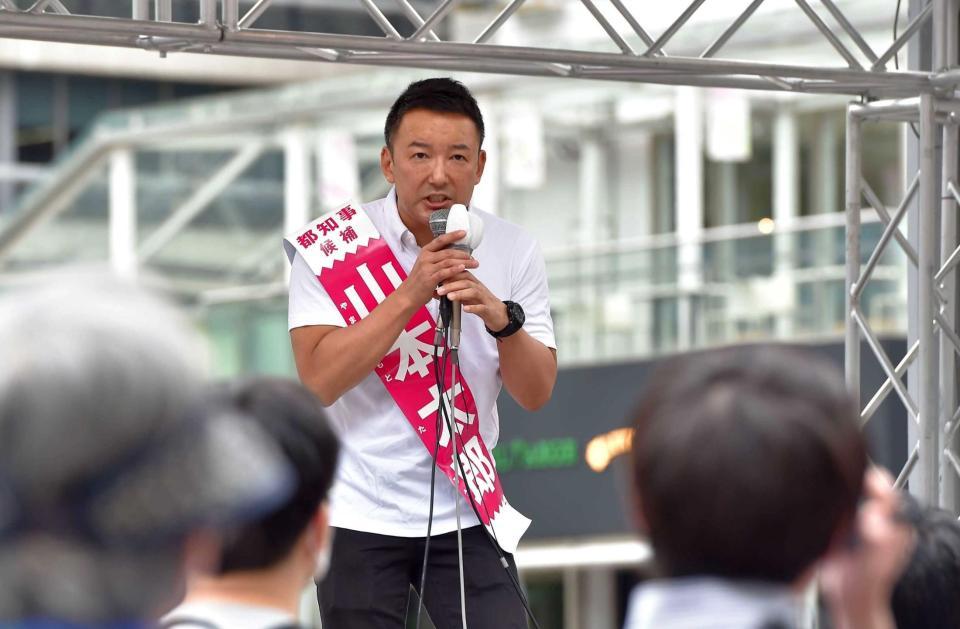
(747, 461)
(441, 94)
(294, 417)
(928, 592)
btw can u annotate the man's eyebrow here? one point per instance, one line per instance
(422, 144)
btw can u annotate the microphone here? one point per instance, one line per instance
(443, 221)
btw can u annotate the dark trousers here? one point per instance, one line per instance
(370, 577)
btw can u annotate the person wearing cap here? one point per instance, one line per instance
(265, 564)
(381, 501)
(110, 474)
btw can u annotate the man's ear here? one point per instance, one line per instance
(386, 164)
(481, 164)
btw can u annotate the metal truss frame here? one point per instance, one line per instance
(933, 196)
(927, 98)
(933, 464)
(223, 29)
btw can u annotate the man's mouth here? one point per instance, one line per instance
(437, 201)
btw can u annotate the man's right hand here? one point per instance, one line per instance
(435, 264)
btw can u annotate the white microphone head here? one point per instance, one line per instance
(476, 230)
(457, 218)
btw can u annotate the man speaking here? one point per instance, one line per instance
(362, 314)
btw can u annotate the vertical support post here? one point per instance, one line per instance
(929, 398)
(592, 177)
(231, 14)
(948, 359)
(949, 483)
(688, 133)
(164, 10)
(123, 213)
(823, 192)
(571, 599)
(8, 138)
(140, 9)
(208, 13)
(853, 166)
(786, 200)
(296, 182)
(597, 599)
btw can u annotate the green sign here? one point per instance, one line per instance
(519, 454)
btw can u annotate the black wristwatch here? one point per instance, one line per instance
(515, 319)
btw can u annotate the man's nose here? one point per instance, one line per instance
(438, 171)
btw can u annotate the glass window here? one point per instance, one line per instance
(741, 192)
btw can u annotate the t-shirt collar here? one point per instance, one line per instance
(396, 230)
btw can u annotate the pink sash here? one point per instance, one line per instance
(358, 270)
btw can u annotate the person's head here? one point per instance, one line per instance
(747, 463)
(108, 470)
(297, 530)
(432, 154)
(928, 592)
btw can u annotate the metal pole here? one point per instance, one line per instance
(231, 14)
(208, 13)
(498, 21)
(950, 483)
(828, 34)
(725, 36)
(608, 27)
(434, 18)
(852, 187)
(374, 12)
(140, 9)
(948, 289)
(907, 34)
(929, 463)
(296, 183)
(657, 46)
(254, 13)
(123, 213)
(632, 21)
(164, 10)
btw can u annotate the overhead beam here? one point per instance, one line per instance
(461, 55)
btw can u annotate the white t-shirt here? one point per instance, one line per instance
(383, 482)
(226, 615)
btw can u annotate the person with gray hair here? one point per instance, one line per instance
(110, 468)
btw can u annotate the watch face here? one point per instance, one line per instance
(515, 312)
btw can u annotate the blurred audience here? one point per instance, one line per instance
(927, 596)
(110, 474)
(748, 464)
(267, 563)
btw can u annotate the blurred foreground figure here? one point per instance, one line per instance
(928, 593)
(108, 471)
(266, 564)
(748, 466)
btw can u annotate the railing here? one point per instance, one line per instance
(623, 300)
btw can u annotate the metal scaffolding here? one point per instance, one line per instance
(224, 29)
(925, 98)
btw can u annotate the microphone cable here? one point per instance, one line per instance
(492, 538)
(441, 333)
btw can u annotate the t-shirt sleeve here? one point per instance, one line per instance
(309, 303)
(530, 291)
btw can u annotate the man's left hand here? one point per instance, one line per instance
(476, 299)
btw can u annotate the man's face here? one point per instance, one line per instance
(434, 162)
